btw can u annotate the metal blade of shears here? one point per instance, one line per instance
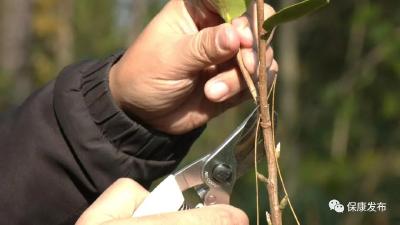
(214, 175)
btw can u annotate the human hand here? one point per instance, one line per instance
(116, 205)
(181, 71)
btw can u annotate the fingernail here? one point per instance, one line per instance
(244, 29)
(246, 33)
(218, 90)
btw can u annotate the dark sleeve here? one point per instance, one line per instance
(68, 142)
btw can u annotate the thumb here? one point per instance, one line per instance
(212, 45)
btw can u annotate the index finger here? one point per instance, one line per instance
(211, 215)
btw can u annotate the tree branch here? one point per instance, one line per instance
(266, 124)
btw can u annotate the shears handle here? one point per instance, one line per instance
(166, 197)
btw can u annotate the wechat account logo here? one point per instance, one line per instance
(335, 205)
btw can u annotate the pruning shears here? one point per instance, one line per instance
(212, 177)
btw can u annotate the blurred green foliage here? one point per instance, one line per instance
(345, 140)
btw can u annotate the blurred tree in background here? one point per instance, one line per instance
(338, 92)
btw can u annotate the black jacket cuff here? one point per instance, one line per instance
(120, 146)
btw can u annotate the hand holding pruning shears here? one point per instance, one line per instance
(116, 204)
(212, 176)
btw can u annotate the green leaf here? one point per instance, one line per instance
(293, 12)
(230, 9)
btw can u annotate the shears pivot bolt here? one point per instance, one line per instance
(222, 173)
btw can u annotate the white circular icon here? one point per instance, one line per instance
(335, 205)
(339, 208)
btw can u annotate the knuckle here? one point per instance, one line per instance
(199, 47)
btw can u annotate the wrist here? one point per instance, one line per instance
(113, 85)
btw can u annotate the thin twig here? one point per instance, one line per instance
(270, 91)
(256, 171)
(272, 186)
(262, 178)
(247, 77)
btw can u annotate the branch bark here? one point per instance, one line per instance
(266, 124)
